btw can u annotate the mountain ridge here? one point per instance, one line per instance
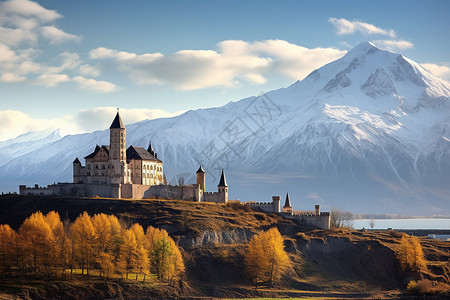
(372, 121)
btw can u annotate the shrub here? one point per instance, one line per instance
(302, 236)
(394, 233)
(425, 286)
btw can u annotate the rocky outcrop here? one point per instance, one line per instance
(211, 238)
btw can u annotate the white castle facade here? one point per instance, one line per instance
(115, 171)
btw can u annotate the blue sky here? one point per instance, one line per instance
(68, 64)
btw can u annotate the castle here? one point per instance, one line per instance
(117, 172)
(315, 218)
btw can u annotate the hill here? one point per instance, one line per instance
(213, 237)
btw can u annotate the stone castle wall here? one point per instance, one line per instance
(217, 197)
(321, 220)
(74, 190)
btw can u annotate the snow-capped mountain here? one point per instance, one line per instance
(368, 132)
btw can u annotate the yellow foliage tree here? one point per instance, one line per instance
(58, 245)
(166, 259)
(8, 249)
(128, 256)
(84, 238)
(35, 236)
(410, 254)
(265, 259)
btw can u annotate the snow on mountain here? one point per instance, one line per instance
(26, 143)
(368, 132)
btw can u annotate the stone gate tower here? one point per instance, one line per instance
(118, 150)
(222, 188)
(201, 178)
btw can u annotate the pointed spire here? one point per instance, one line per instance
(76, 161)
(150, 149)
(223, 180)
(288, 201)
(117, 123)
(200, 170)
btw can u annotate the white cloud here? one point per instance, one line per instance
(97, 86)
(393, 44)
(29, 9)
(24, 21)
(15, 122)
(51, 80)
(344, 26)
(442, 71)
(233, 62)
(11, 77)
(57, 36)
(88, 70)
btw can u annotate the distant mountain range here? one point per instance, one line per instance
(368, 133)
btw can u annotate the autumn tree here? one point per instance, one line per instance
(410, 254)
(128, 256)
(8, 251)
(57, 246)
(84, 239)
(35, 236)
(265, 259)
(165, 258)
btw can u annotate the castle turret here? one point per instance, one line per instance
(76, 170)
(201, 178)
(118, 153)
(276, 201)
(222, 187)
(287, 208)
(150, 149)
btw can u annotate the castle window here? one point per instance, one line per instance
(88, 167)
(88, 173)
(103, 173)
(151, 168)
(151, 175)
(95, 167)
(96, 174)
(103, 167)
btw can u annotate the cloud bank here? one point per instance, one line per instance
(347, 27)
(16, 122)
(233, 62)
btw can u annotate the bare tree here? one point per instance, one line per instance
(341, 218)
(372, 223)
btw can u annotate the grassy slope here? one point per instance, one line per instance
(325, 262)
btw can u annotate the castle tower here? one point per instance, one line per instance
(287, 208)
(201, 178)
(118, 152)
(276, 200)
(223, 187)
(150, 149)
(76, 170)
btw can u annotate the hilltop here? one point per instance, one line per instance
(213, 237)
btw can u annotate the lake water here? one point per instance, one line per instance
(403, 224)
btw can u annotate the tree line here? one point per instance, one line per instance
(45, 246)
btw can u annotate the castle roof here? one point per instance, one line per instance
(76, 161)
(223, 180)
(140, 153)
(288, 202)
(117, 123)
(97, 148)
(150, 149)
(200, 170)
